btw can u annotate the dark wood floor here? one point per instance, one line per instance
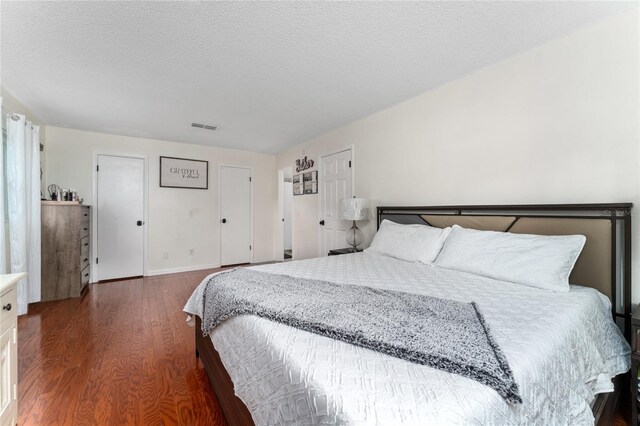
(122, 354)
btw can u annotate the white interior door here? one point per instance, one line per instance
(235, 215)
(284, 240)
(287, 215)
(335, 184)
(120, 214)
(280, 218)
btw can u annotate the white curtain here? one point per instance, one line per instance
(3, 218)
(33, 212)
(23, 193)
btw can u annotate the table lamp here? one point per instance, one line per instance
(354, 209)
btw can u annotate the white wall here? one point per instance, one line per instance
(287, 210)
(557, 124)
(179, 219)
(14, 106)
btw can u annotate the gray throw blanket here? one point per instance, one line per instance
(444, 334)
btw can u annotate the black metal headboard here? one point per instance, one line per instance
(508, 217)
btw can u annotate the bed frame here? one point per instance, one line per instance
(605, 264)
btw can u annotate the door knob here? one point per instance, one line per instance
(224, 220)
(322, 222)
(139, 223)
(7, 307)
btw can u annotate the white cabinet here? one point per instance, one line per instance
(9, 349)
(7, 372)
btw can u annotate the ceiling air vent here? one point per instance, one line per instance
(203, 126)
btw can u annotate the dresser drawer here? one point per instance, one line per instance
(85, 276)
(84, 247)
(84, 262)
(84, 214)
(8, 305)
(84, 230)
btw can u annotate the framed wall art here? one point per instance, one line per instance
(297, 185)
(310, 182)
(184, 173)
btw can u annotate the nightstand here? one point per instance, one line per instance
(336, 252)
(635, 362)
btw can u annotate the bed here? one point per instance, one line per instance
(561, 346)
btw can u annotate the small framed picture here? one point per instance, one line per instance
(184, 173)
(297, 185)
(311, 182)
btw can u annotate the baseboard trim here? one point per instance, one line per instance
(180, 269)
(194, 268)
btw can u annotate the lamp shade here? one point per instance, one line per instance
(354, 209)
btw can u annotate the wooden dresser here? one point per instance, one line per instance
(9, 348)
(66, 242)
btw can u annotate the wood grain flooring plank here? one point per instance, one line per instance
(121, 354)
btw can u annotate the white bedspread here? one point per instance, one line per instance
(563, 348)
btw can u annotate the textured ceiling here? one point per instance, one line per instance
(269, 74)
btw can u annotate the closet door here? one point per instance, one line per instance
(335, 180)
(120, 217)
(235, 215)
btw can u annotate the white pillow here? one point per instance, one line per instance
(533, 260)
(413, 243)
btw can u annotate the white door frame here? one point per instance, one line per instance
(279, 222)
(279, 216)
(220, 166)
(94, 212)
(353, 186)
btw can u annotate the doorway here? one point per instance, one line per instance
(335, 177)
(284, 242)
(235, 215)
(120, 216)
